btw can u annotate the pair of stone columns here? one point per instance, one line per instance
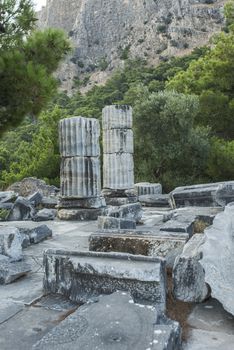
(80, 165)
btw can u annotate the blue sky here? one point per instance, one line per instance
(39, 3)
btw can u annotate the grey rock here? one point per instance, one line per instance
(45, 215)
(88, 203)
(123, 325)
(35, 198)
(84, 275)
(107, 222)
(155, 200)
(167, 245)
(10, 243)
(92, 28)
(30, 185)
(188, 274)
(144, 188)
(80, 214)
(11, 271)
(79, 137)
(39, 234)
(218, 259)
(22, 210)
(128, 211)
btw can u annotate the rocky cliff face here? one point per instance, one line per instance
(106, 32)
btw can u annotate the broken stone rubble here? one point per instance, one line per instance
(10, 243)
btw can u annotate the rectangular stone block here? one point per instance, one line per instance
(108, 222)
(166, 245)
(84, 275)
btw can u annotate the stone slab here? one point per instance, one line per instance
(123, 325)
(11, 271)
(80, 214)
(83, 275)
(204, 340)
(166, 246)
(174, 225)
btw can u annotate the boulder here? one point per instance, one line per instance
(188, 274)
(11, 243)
(84, 275)
(108, 222)
(34, 235)
(218, 257)
(45, 215)
(123, 325)
(22, 210)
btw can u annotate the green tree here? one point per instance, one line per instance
(27, 60)
(169, 148)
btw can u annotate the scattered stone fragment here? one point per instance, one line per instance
(108, 222)
(35, 198)
(188, 274)
(218, 258)
(45, 215)
(10, 243)
(128, 211)
(147, 188)
(155, 200)
(39, 234)
(22, 210)
(11, 271)
(122, 325)
(84, 275)
(167, 245)
(7, 197)
(174, 225)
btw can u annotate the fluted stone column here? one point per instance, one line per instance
(80, 169)
(118, 165)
